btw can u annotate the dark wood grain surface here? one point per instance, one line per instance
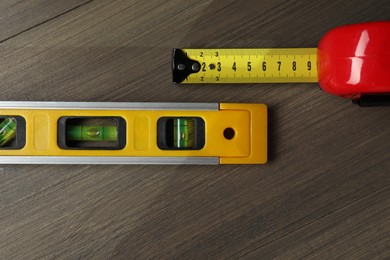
(324, 194)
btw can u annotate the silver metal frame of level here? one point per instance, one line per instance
(107, 105)
(108, 159)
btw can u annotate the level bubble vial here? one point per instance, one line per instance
(7, 131)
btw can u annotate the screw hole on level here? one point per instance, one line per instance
(229, 133)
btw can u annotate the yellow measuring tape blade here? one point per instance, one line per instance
(275, 65)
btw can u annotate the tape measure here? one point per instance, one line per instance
(245, 65)
(132, 133)
(351, 61)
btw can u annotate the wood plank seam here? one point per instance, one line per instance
(46, 21)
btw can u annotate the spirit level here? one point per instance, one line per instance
(132, 133)
(351, 61)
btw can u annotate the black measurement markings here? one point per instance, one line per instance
(282, 65)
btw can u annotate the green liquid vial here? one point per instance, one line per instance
(183, 133)
(92, 133)
(7, 131)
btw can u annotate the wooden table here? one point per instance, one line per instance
(324, 194)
